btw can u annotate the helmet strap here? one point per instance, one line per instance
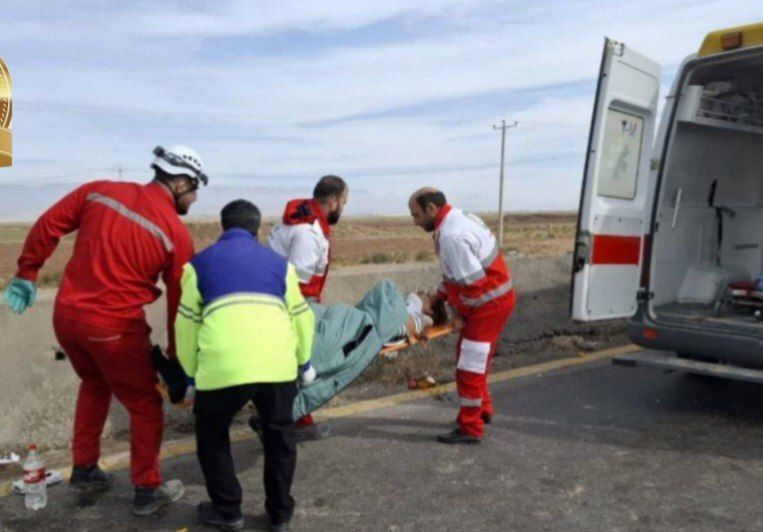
(167, 182)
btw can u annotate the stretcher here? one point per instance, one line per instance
(747, 294)
(430, 333)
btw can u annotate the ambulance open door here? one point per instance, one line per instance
(612, 219)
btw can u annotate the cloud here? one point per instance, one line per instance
(391, 95)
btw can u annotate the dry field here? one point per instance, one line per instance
(359, 240)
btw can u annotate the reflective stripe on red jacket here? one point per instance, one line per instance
(302, 238)
(128, 234)
(474, 271)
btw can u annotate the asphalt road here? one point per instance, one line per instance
(591, 447)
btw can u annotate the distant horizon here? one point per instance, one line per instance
(39, 197)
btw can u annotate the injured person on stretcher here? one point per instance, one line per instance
(347, 339)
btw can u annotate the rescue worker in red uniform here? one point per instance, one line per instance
(303, 238)
(476, 283)
(128, 235)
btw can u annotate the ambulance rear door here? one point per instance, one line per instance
(613, 215)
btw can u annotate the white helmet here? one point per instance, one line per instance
(179, 160)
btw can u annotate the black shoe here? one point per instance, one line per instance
(301, 434)
(282, 527)
(456, 436)
(149, 500)
(90, 479)
(312, 432)
(487, 418)
(211, 516)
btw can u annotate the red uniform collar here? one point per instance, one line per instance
(444, 210)
(305, 211)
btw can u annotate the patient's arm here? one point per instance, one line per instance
(410, 327)
(416, 324)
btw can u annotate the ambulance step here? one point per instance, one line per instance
(668, 360)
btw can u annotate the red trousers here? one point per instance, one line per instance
(114, 362)
(474, 356)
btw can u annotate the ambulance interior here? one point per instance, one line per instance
(707, 253)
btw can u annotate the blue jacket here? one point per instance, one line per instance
(242, 318)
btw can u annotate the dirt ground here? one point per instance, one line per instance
(361, 240)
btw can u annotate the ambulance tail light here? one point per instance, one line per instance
(649, 333)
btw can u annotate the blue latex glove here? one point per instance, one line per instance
(307, 373)
(20, 295)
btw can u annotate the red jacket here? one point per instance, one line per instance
(475, 276)
(128, 234)
(303, 238)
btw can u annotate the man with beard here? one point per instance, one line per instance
(303, 238)
(477, 285)
(127, 235)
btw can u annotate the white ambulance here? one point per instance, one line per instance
(670, 228)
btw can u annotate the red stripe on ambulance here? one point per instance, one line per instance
(614, 249)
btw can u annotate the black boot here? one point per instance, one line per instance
(281, 527)
(149, 500)
(90, 479)
(212, 516)
(312, 432)
(457, 436)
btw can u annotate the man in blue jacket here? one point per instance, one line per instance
(244, 332)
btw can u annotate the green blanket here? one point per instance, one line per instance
(347, 340)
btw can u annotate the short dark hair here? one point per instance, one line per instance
(439, 312)
(242, 214)
(436, 197)
(329, 186)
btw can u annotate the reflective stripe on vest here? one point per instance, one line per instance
(243, 298)
(142, 221)
(495, 293)
(491, 257)
(481, 274)
(469, 279)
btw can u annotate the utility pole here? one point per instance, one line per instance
(119, 170)
(503, 127)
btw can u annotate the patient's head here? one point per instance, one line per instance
(433, 307)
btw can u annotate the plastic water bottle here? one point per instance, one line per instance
(35, 487)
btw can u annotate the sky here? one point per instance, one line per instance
(391, 95)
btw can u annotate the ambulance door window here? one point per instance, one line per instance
(621, 153)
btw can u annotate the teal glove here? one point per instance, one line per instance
(20, 295)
